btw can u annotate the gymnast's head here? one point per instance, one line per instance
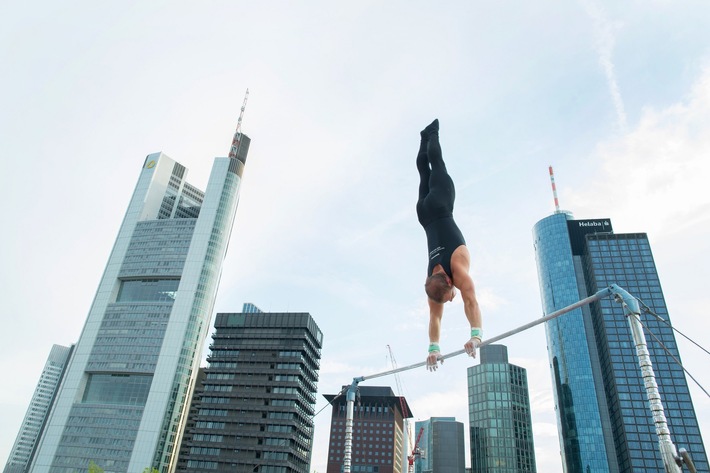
(440, 288)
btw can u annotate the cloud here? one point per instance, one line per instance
(450, 403)
(655, 176)
(490, 300)
(375, 232)
(331, 366)
(415, 318)
(604, 35)
(545, 429)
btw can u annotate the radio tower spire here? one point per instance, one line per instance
(237, 140)
(554, 191)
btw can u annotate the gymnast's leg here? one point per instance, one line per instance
(423, 168)
(441, 186)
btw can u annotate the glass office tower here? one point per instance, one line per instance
(499, 415)
(441, 446)
(254, 409)
(603, 415)
(126, 390)
(36, 415)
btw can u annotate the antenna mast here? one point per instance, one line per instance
(237, 140)
(554, 190)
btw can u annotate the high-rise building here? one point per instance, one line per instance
(603, 415)
(254, 408)
(378, 431)
(441, 446)
(36, 415)
(124, 397)
(499, 415)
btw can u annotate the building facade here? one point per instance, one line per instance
(378, 431)
(254, 409)
(441, 446)
(36, 416)
(124, 397)
(603, 415)
(500, 422)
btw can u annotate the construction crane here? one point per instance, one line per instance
(416, 452)
(402, 402)
(237, 140)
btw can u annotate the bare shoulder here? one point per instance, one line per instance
(460, 264)
(461, 257)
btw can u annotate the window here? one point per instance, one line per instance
(117, 389)
(148, 290)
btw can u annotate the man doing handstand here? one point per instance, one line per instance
(449, 259)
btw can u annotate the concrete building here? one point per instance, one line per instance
(378, 431)
(500, 423)
(603, 415)
(124, 397)
(253, 411)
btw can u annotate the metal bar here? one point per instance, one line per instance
(599, 295)
(352, 390)
(669, 455)
(349, 410)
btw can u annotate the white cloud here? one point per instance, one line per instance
(450, 403)
(490, 299)
(545, 429)
(655, 176)
(604, 31)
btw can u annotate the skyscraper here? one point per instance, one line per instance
(499, 415)
(254, 409)
(441, 445)
(378, 431)
(124, 396)
(36, 415)
(603, 415)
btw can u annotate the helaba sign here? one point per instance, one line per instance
(594, 223)
(579, 228)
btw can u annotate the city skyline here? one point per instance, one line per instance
(614, 96)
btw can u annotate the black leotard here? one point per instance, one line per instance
(435, 206)
(443, 237)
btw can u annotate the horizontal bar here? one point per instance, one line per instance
(588, 300)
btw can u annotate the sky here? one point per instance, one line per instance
(614, 95)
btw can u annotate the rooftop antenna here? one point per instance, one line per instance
(554, 191)
(237, 140)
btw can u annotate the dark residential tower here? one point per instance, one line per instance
(253, 410)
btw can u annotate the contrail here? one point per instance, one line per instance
(604, 33)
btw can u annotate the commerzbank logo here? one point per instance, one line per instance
(151, 164)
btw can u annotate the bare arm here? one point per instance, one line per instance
(436, 311)
(460, 262)
(465, 285)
